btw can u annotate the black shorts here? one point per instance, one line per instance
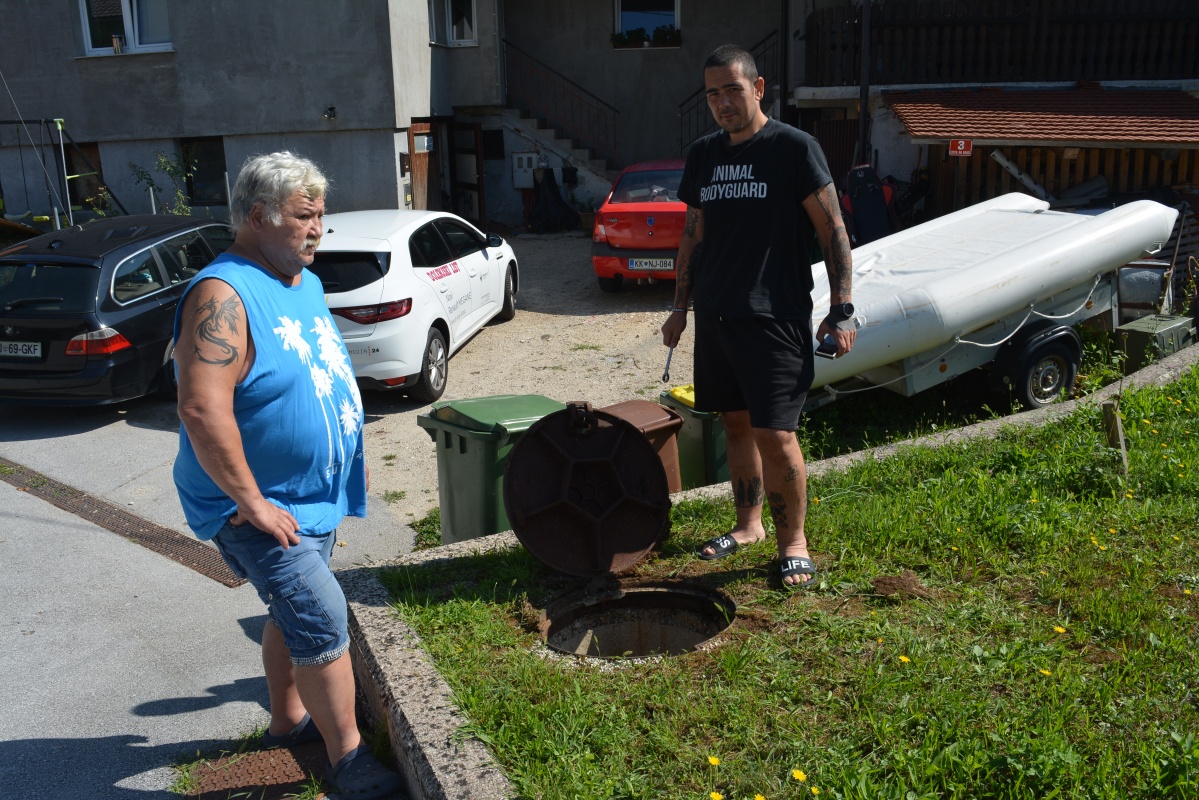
(758, 364)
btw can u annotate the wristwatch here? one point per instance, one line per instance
(842, 310)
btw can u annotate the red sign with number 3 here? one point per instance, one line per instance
(960, 147)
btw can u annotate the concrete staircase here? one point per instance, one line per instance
(550, 140)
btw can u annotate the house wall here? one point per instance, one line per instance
(414, 84)
(473, 72)
(646, 84)
(262, 82)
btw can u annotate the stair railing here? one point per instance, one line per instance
(537, 88)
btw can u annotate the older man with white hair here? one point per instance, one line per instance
(271, 452)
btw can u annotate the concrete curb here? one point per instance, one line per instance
(404, 691)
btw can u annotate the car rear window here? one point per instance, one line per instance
(344, 272)
(647, 186)
(49, 288)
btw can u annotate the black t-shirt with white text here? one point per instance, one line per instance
(757, 235)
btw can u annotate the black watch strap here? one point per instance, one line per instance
(842, 310)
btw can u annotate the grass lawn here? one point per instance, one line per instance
(1009, 618)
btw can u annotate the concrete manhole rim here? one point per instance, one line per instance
(692, 616)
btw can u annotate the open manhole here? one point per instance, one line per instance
(587, 494)
(636, 621)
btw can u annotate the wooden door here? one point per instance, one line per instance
(418, 164)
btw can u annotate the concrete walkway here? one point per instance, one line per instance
(117, 662)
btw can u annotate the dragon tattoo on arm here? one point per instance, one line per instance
(216, 320)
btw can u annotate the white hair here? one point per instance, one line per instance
(271, 180)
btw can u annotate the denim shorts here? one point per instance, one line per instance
(302, 596)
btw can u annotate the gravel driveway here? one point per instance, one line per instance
(569, 341)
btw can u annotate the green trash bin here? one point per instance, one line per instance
(702, 457)
(473, 438)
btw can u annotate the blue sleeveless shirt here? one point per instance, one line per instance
(299, 410)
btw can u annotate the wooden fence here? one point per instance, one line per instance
(956, 182)
(994, 41)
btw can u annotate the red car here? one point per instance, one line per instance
(638, 227)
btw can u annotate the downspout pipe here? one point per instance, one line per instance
(863, 150)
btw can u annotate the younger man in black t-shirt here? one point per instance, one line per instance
(756, 191)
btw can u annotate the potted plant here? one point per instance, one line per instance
(667, 36)
(637, 37)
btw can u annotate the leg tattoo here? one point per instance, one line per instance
(778, 509)
(748, 493)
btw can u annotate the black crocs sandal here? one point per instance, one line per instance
(306, 731)
(359, 775)
(724, 545)
(799, 566)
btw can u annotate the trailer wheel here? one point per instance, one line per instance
(1043, 373)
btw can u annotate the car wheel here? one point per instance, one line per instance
(1043, 374)
(168, 386)
(509, 309)
(611, 284)
(434, 369)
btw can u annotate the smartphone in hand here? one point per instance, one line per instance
(827, 348)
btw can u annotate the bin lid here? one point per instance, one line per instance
(585, 492)
(501, 413)
(684, 394)
(646, 416)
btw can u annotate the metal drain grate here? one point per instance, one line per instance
(189, 552)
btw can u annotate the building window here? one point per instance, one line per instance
(125, 26)
(647, 22)
(452, 22)
(205, 161)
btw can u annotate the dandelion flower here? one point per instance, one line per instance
(1033, 500)
(880, 641)
(716, 796)
(1145, 421)
(1103, 547)
(905, 659)
(759, 797)
(953, 548)
(1154, 431)
(799, 775)
(1186, 591)
(1111, 530)
(1044, 672)
(815, 790)
(714, 761)
(959, 530)
(815, 500)
(1175, 538)
(1059, 629)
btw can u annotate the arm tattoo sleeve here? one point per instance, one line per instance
(215, 321)
(839, 262)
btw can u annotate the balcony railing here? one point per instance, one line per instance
(995, 41)
(537, 88)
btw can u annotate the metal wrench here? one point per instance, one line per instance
(666, 372)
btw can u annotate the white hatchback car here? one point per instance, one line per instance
(408, 288)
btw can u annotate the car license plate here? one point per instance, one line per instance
(651, 263)
(21, 349)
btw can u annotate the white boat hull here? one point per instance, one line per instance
(932, 284)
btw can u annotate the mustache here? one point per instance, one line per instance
(312, 241)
